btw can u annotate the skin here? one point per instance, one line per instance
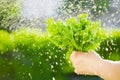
(90, 63)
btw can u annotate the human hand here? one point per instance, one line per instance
(85, 62)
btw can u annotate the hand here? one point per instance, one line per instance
(85, 63)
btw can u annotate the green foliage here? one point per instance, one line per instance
(29, 39)
(33, 56)
(28, 54)
(110, 47)
(78, 34)
(95, 7)
(6, 42)
(9, 14)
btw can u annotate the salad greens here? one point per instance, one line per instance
(78, 34)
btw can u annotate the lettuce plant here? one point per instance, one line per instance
(78, 34)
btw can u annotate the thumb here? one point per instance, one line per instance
(92, 52)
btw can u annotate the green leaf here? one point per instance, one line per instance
(79, 33)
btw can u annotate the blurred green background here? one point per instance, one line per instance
(27, 53)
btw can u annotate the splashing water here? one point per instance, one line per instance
(36, 12)
(40, 8)
(112, 17)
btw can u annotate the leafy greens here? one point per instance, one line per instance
(78, 34)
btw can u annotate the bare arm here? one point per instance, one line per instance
(92, 64)
(109, 70)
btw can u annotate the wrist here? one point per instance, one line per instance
(104, 69)
(97, 67)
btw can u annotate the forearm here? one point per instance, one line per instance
(109, 70)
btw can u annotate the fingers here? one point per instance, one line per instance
(85, 72)
(73, 55)
(76, 71)
(77, 55)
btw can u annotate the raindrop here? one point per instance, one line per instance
(61, 64)
(47, 59)
(56, 63)
(32, 63)
(40, 62)
(30, 75)
(52, 66)
(50, 57)
(106, 49)
(53, 78)
(10, 63)
(55, 56)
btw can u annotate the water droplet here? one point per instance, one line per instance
(30, 75)
(106, 49)
(53, 78)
